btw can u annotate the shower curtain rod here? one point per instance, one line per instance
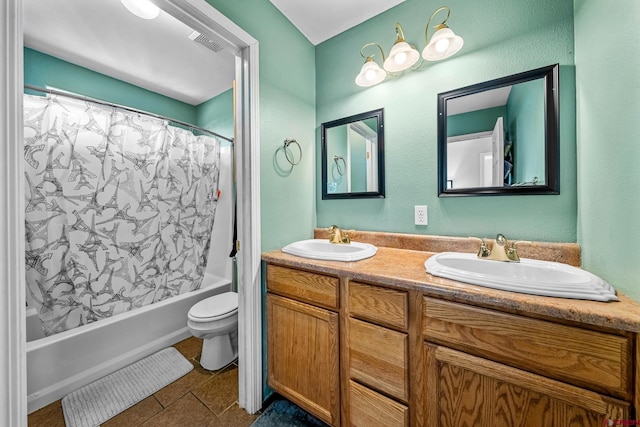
(123, 107)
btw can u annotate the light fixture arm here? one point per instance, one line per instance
(399, 33)
(370, 57)
(439, 26)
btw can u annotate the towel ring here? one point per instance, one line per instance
(291, 159)
(338, 168)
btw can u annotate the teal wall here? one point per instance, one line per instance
(608, 101)
(501, 38)
(216, 114)
(525, 123)
(287, 110)
(43, 70)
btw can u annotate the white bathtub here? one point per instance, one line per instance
(61, 363)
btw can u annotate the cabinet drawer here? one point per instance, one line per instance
(378, 358)
(304, 286)
(370, 409)
(591, 359)
(380, 305)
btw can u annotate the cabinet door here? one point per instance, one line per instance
(302, 345)
(464, 390)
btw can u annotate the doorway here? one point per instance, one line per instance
(201, 16)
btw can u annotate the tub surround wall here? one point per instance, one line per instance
(216, 114)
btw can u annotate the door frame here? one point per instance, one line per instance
(13, 389)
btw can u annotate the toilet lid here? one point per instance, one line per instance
(215, 306)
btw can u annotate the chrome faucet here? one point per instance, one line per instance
(502, 250)
(339, 236)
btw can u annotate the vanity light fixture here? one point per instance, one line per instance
(144, 9)
(402, 55)
(370, 73)
(444, 43)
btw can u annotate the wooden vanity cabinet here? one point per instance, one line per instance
(303, 340)
(367, 354)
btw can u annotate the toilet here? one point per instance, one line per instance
(215, 320)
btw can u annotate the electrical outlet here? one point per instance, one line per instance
(421, 216)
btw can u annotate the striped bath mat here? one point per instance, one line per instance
(105, 398)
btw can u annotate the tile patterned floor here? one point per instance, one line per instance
(199, 399)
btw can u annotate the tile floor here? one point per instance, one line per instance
(199, 399)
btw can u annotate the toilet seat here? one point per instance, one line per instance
(215, 307)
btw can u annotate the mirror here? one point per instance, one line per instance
(353, 157)
(500, 137)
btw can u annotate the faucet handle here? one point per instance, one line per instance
(512, 250)
(347, 235)
(484, 251)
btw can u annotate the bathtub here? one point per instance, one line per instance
(61, 363)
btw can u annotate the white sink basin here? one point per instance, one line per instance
(529, 276)
(323, 249)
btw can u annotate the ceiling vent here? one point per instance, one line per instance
(205, 41)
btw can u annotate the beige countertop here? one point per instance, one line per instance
(404, 269)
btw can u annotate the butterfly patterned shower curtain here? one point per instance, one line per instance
(119, 209)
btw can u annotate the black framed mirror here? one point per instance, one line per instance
(500, 137)
(353, 156)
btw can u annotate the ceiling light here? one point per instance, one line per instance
(403, 56)
(144, 9)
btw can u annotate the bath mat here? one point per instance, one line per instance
(283, 413)
(105, 398)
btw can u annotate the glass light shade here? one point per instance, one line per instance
(401, 57)
(142, 8)
(370, 74)
(443, 44)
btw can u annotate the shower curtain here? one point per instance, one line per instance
(119, 209)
